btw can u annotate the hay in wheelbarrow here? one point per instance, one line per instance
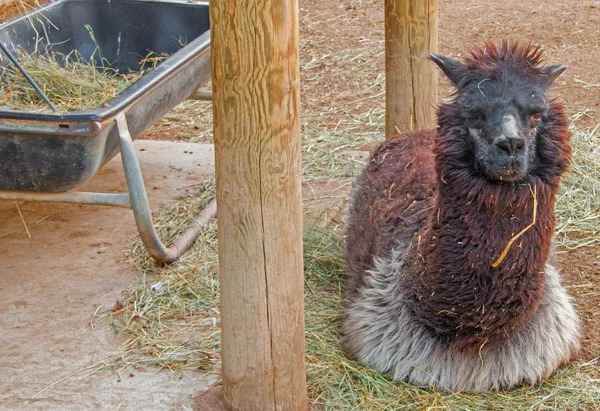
(71, 82)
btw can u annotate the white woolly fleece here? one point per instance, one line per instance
(380, 332)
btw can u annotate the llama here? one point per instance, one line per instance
(450, 280)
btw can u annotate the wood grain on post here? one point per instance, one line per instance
(258, 168)
(411, 79)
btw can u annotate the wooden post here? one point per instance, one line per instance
(411, 79)
(256, 104)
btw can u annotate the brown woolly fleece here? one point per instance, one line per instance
(421, 189)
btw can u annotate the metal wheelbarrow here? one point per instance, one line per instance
(44, 154)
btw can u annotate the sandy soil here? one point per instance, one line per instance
(72, 266)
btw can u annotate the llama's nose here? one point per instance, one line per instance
(511, 145)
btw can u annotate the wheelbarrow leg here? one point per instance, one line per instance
(141, 208)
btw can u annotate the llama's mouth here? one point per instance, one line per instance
(499, 167)
(501, 158)
(508, 175)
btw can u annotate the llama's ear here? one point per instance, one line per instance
(551, 73)
(450, 67)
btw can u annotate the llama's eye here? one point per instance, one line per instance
(476, 116)
(536, 117)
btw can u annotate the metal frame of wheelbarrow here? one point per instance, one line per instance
(59, 151)
(136, 199)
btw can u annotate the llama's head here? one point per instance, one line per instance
(502, 102)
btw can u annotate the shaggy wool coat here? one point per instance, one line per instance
(424, 302)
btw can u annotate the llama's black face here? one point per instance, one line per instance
(501, 113)
(501, 120)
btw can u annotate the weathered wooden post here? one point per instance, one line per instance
(257, 146)
(411, 80)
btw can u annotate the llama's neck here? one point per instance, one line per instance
(464, 297)
(458, 292)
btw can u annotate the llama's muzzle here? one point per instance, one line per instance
(511, 140)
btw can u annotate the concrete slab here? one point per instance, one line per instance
(51, 284)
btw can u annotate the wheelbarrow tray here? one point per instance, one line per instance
(46, 151)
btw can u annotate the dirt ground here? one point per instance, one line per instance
(71, 266)
(569, 31)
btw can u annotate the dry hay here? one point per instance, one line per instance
(171, 320)
(578, 204)
(12, 8)
(171, 317)
(71, 82)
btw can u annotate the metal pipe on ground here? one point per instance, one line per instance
(141, 208)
